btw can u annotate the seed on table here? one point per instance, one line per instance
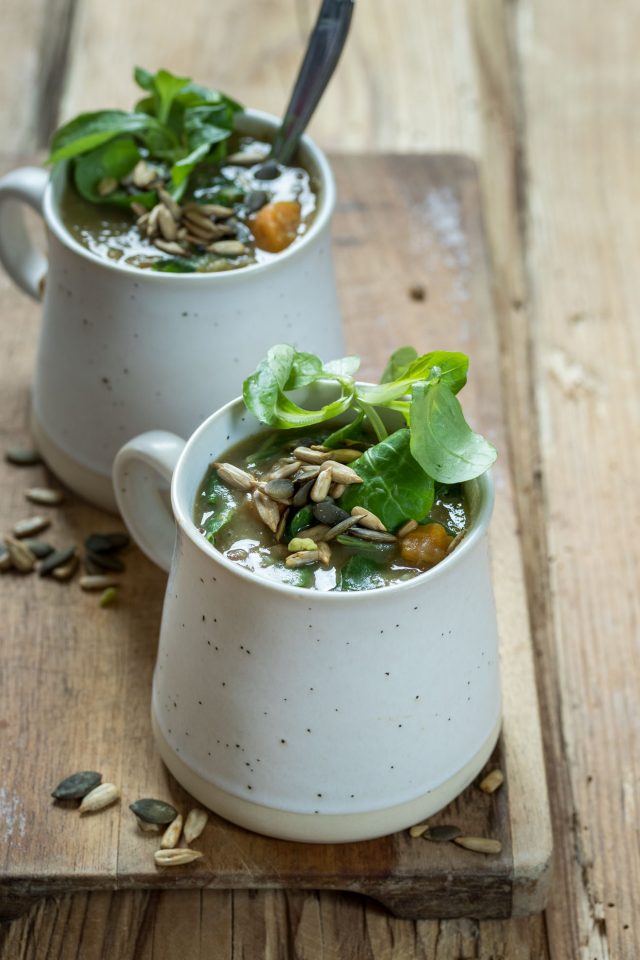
(21, 557)
(39, 548)
(301, 543)
(5, 559)
(105, 561)
(66, 570)
(45, 495)
(368, 519)
(408, 527)
(147, 827)
(492, 782)
(234, 476)
(340, 528)
(56, 559)
(109, 597)
(320, 488)
(99, 798)
(30, 526)
(107, 186)
(443, 833)
(172, 834)
(228, 248)
(419, 830)
(175, 858)
(375, 536)
(153, 811)
(77, 786)
(22, 456)
(301, 559)
(324, 553)
(341, 473)
(194, 824)
(479, 844)
(98, 581)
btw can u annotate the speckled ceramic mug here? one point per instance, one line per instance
(119, 344)
(322, 717)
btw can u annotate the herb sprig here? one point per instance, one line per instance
(178, 124)
(399, 471)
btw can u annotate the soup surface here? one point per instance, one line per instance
(263, 507)
(232, 216)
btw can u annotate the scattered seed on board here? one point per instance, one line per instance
(77, 786)
(492, 782)
(99, 581)
(408, 527)
(153, 811)
(479, 844)
(106, 542)
(66, 570)
(30, 526)
(442, 833)
(235, 477)
(21, 557)
(302, 559)
(368, 519)
(419, 830)
(175, 858)
(39, 548)
(99, 798)
(22, 457)
(147, 827)
(106, 561)
(194, 824)
(5, 559)
(320, 488)
(171, 835)
(109, 597)
(45, 495)
(56, 559)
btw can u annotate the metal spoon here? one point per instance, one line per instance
(323, 52)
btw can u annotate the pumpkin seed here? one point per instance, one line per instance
(99, 798)
(301, 543)
(479, 844)
(408, 527)
(255, 199)
(302, 559)
(268, 510)
(38, 548)
(106, 542)
(320, 488)
(368, 519)
(419, 830)
(31, 525)
(45, 495)
(5, 559)
(153, 811)
(328, 512)
(228, 248)
(341, 473)
(301, 495)
(307, 455)
(375, 536)
(77, 786)
(340, 528)
(324, 553)
(98, 581)
(175, 858)
(194, 824)
(268, 171)
(107, 186)
(66, 570)
(106, 561)
(109, 597)
(280, 489)
(492, 782)
(235, 477)
(22, 456)
(171, 835)
(443, 833)
(56, 559)
(21, 557)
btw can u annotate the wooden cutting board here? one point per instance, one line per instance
(75, 679)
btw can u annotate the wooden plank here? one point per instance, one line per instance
(432, 235)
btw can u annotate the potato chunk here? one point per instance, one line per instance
(275, 226)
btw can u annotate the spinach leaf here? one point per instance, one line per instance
(450, 368)
(441, 440)
(350, 431)
(113, 159)
(360, 573)
(301, 520)
(395, 487)
(398, 361)
(223, 505)
(90, 130)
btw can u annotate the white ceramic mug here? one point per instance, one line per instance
(322, 717)
(119, 345)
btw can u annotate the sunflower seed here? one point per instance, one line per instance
(340, 528)
(171, 205)
(442, 833)
(152, 222)
(171, 835)
(342, 473)
(301, 495)
(329, 512)
(77, 786)
(196, 242)
(492, 782)
(336, 490)
(268, 510)
(141, 222)
(375, 536)
(22, 457)
(319, 446)
(56, 559)
(284, 471)
(307, 455)
(479, 844)
(216, 210)
(143, 174)
(5, 559)
(21, 557)
(308, 472)
(247, 159)
(228, 248)
(30, 525)
(106, 186)
(368, 519)
(345, 455)
(139, 209)
(280, 489)
(320, 489)
(175, 858)
(66, 570)
(302, 559)
(98, 582)
(38, 548)
(198, 221)
(408, 527)
(99, 798)
(147, 827)
(324, 553)
(106, 542)
(282, 525)
(234, 476)
(194, 824)
(169, 246)
(456, 540)
(109, 597)
(153, 811)
(301, 543)
(44, 495)
(419, 830)
(105, 561)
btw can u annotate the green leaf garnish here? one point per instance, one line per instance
(175, 265)
(360, 573)
(222, 504)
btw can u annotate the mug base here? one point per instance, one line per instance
(94, 487)
(322, 828)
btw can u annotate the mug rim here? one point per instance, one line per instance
(185, 522)
(320, 221)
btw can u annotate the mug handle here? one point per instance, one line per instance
(22, 260)
(138, 470)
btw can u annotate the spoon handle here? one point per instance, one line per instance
(323, 52)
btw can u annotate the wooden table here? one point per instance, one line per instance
(545, 95)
